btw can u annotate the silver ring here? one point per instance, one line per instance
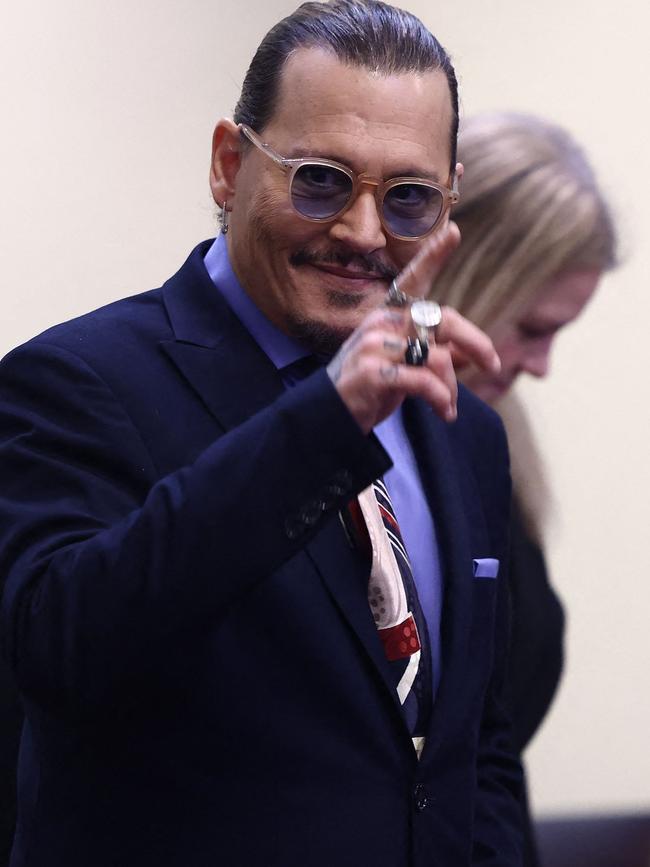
(395, 297)
(417, 352)
(426, 316)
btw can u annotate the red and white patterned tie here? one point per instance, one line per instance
(394, 604)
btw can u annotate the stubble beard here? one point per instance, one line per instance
(322, 336)
(318, 335)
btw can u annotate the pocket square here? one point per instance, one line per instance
(486, 567)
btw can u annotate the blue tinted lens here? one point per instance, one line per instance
(320, 191)
(412, 209)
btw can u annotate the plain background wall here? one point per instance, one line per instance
(107, 114)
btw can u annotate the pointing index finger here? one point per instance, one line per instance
(417, 277)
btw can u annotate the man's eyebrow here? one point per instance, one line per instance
(416, 172)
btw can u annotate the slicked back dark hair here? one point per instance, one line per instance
(362, 33)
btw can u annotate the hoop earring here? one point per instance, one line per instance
(224, 217)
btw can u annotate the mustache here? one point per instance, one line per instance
(343, 258)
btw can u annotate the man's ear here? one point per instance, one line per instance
(226, 159)
(455, 184)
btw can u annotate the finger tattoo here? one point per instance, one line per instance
(389, 372)
(392, 317)
(394, 345)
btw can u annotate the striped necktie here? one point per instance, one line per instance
(393, 600)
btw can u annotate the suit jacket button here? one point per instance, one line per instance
(294, 527)
(341, 483)
(310, 513)
(327, 500)
(420, 800)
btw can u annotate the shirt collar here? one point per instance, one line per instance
(281, 349)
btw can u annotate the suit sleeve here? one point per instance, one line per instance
(498, 821)
(103, 561)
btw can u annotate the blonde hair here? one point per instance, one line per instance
(530, 209)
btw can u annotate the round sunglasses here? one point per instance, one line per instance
(321, 190)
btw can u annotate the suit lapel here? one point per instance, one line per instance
(234, 379)
(212, 350)
(345, 574)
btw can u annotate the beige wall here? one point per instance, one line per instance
(107, 116)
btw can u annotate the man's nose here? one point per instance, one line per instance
(359, 228)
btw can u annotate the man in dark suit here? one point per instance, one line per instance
(185, 560)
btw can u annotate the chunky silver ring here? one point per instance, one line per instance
(417, 352)
(426, 316)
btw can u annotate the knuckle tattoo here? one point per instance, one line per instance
(389, 372)
(393, 317)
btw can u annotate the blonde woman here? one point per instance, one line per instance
(537, 236)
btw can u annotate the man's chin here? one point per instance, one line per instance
(322, 338)
(339, 300)
(343, 313)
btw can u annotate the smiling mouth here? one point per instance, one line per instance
(349, 273)
(351, 280)
(346, 265)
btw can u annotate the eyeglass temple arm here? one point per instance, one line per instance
(253, 137)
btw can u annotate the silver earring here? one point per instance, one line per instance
(224, 218)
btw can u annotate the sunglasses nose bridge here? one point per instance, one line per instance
(371, 181)
(378, 184)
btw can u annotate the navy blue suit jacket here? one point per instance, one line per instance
(188, 623)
